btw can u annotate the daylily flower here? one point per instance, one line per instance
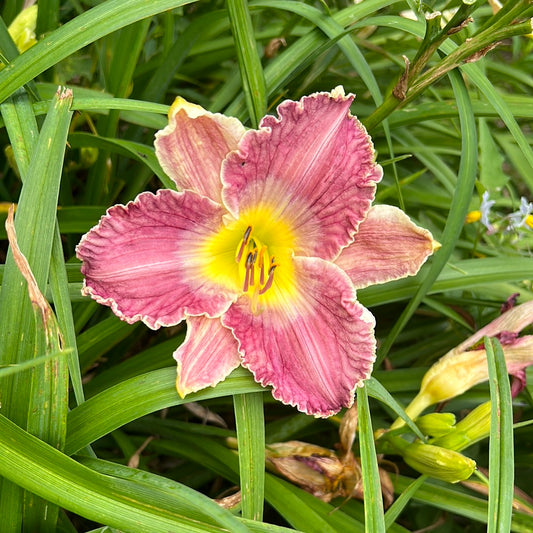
(262, 250)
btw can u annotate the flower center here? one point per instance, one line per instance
(253, 256)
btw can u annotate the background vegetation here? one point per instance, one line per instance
(114, 445)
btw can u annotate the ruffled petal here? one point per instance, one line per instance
(194, 144)
(145, 259)
(207, 356)
(315, 347)
(313, 168)
(387, 246)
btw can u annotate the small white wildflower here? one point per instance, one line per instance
(485, 208)
(518, 218)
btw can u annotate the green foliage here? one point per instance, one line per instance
(120, 448)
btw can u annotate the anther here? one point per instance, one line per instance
(244, 242)
(270, 279)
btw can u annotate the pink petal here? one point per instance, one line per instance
(194, 144)
(207, 356)
(144, 259)
(313, 167)
(514, 320)
(519, 355)
(387, 246)
(314, 346)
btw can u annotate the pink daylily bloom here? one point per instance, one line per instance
(259, 251)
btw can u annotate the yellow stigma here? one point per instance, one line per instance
(253, 256)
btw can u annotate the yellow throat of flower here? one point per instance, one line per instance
(253, 256)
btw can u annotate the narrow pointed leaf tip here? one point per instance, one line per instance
(260, 250)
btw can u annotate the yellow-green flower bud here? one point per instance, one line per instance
(437, 462)
(22, 29)
(436, 424)
(473, 427)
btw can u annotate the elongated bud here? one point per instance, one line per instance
(473, 427)
(438, 463)
(436, 424)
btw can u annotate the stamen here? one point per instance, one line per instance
(262, 265)
(270, 279)
(251, 281)
(243, 244)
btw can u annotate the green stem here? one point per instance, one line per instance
(464, 53)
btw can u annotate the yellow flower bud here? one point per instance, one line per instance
(22, 29)
(438, 463)
(436, 424)
(473, 427)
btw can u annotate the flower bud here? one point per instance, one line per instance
(473, 427)
(437, 462)
(22, 29)
(436, 424)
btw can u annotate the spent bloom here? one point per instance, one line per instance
(325, 473)
(261, 251)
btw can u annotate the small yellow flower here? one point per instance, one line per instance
(473, 216)
(529, 221)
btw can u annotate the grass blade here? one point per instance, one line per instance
(75, 34)
(250, 425)
(253, 80)
(122, 503)
(458, 209)
(374, 517)
(140, 396)
(501, 453)
(36, 400)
